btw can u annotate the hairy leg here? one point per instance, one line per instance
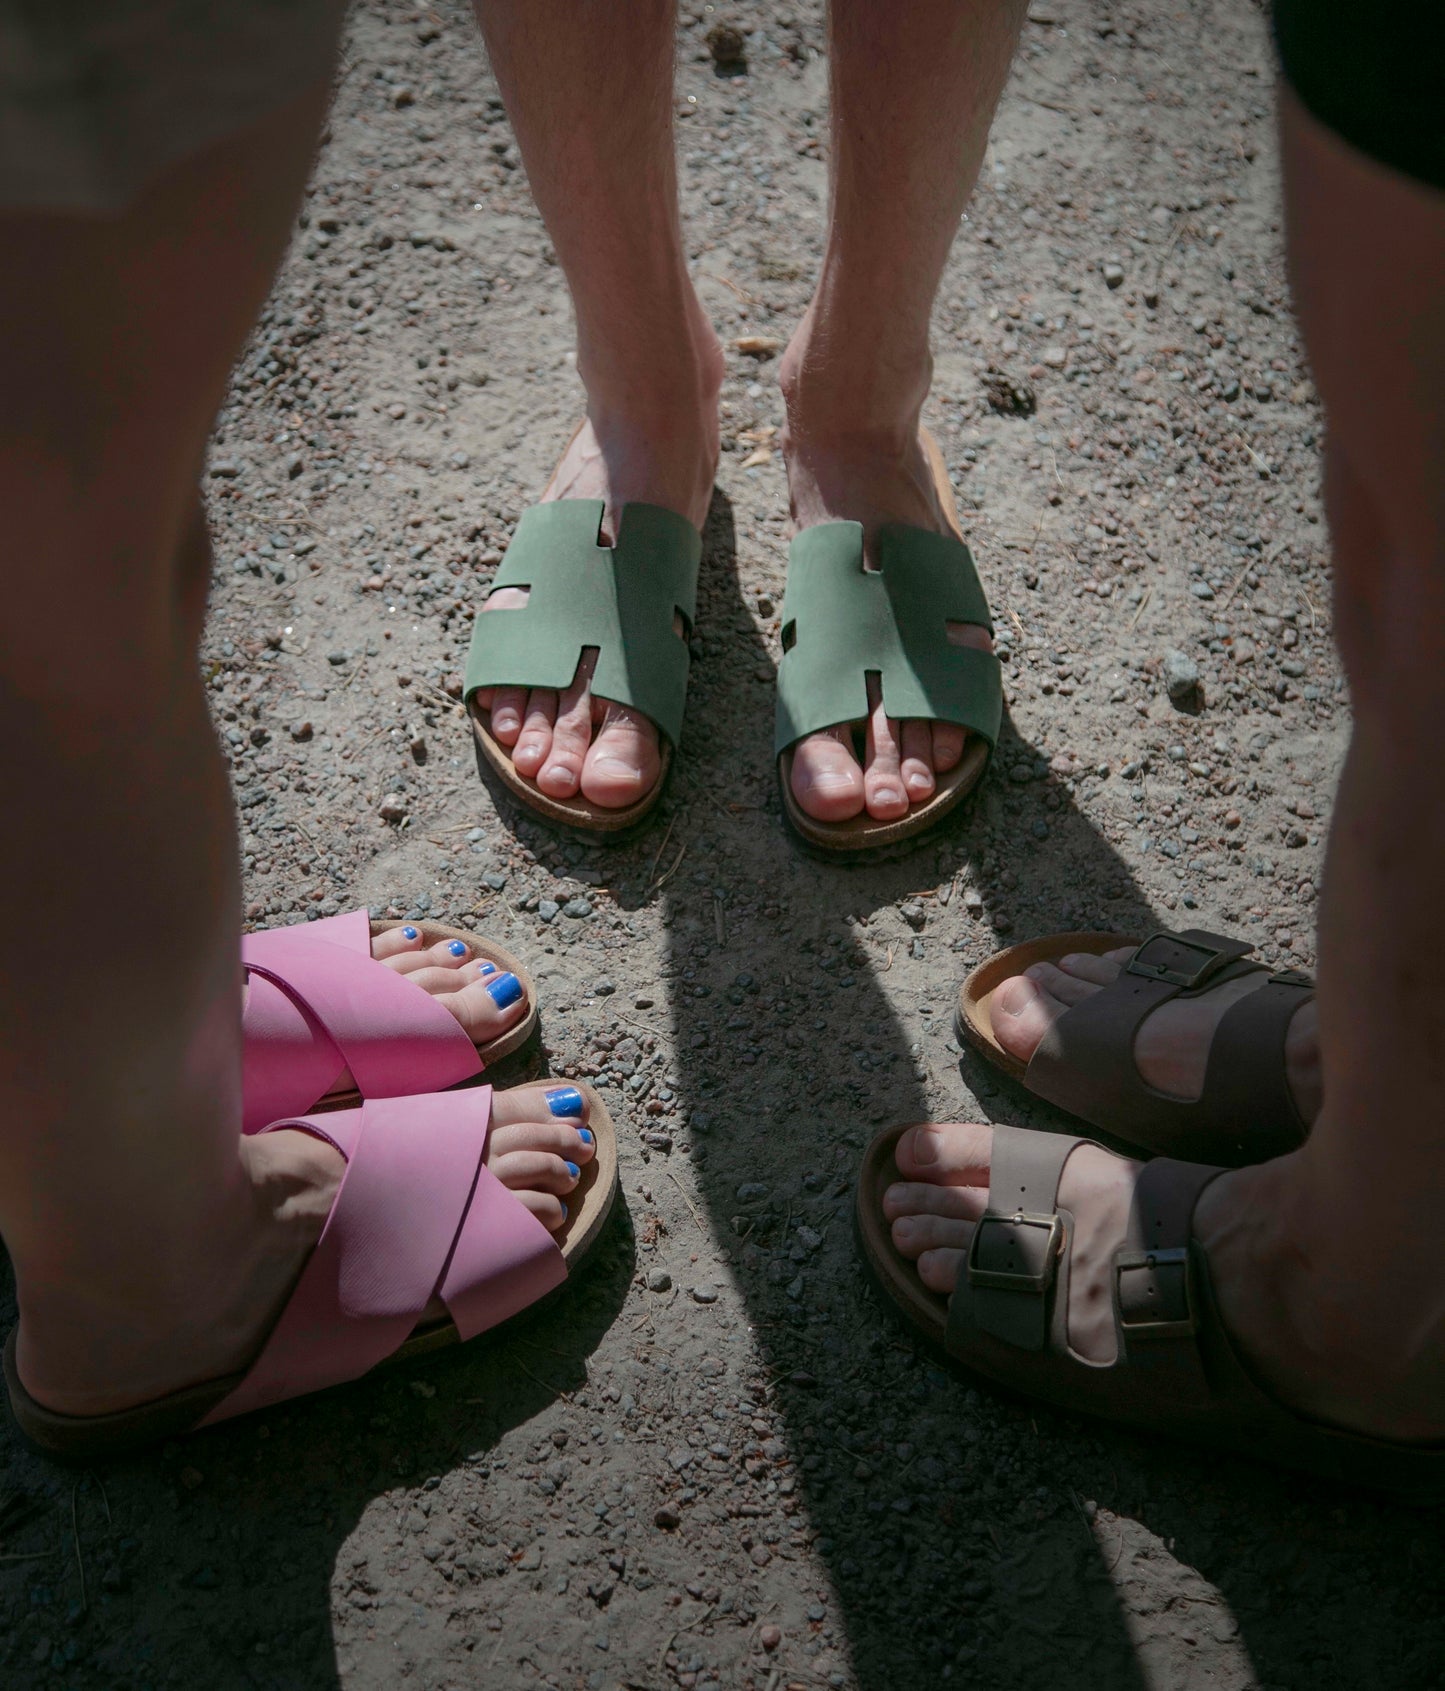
(913, 94)
(589, 92)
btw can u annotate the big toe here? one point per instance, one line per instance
(827, 782)
(624, 761)
(1022, 1013)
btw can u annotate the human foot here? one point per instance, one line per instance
(1171, 1050)
(1292, 1311)
(87, 1351)
(575, 741)
(843, 468)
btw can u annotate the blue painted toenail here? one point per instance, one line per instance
(585, 1135)
(573, 1170)
(408, 933)
(486, 968)
(457, 949)
(505, 990)
(565, 1211)
(565, 1101)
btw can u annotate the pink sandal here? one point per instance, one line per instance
(418, 1216)
(319, 1004)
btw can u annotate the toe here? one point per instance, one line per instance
(398, 945)
(1022, 1012)
(534, 741)
(950, 1153)
(569, 1141)
(939, 1270)
(1068, 989)
(827, 782)
(508, 708)
(948, 743)
(624, 762)
(490, 1002)
(882, 774)
(561, 772)
(915, 1234)
(448, 954)
(535, 1171)
(917, 761)
(549, 1210)
(922, 1197)
(540, 1102)
(1086, 966)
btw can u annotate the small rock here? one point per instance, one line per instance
(659, 1280)
(605, 989)
(751, 1191)
(914, 915)
(547, 909)
(417, 748)
(770, 1637)
(704, 1294)
(295, 463)
(337, 658)
(226, 468)
(668, 1519)
(1181, 676)
(729, 48)
(392, 808)
(1113, 274)
(577, 908)
(495, 880)
(191, 1478)
(302, 730)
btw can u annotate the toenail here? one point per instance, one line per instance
(486, 968)
(925, 1145)
(573, 1170)
(917, 780)
(559, 772)
(457, 949)
(565, 1211)
(585, 1135)
(616, 766)
(565, 1101)
(505, 990)
(408, 933)
(887, 795)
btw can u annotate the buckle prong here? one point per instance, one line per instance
(1017, 1279)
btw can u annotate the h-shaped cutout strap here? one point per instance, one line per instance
(841, 621)
(621, 599)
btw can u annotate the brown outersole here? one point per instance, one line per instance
(863, 835)
(93, 1438)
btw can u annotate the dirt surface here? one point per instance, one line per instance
(715, 1462)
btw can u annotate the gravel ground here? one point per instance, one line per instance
(715, 1463)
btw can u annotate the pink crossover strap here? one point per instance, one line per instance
(417, 1215)
(317, 1002)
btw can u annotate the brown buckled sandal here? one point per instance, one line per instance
(1085, 1062)
(1176, 1371)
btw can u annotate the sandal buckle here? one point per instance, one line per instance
(1170, 1284)
(1137, 965)
(1292, 977)
(1017, 1279)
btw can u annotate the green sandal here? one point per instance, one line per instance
(620, 600)
(842, 622)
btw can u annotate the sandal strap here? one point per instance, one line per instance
(318, 1002)
(1015, 1285)
(842, 622)
(1085, 1061)
(417, 1215)
(621, 599)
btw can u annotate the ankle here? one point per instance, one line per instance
(667, 376)
(832, 394)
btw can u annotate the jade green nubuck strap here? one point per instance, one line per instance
(841, 621)
(620, 599)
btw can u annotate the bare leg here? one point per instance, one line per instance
(913, 93)
(151, 1245)
(589, 91)
(1327, 1262)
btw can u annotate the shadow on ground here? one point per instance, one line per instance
(227, 1547)
(964, 1533)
